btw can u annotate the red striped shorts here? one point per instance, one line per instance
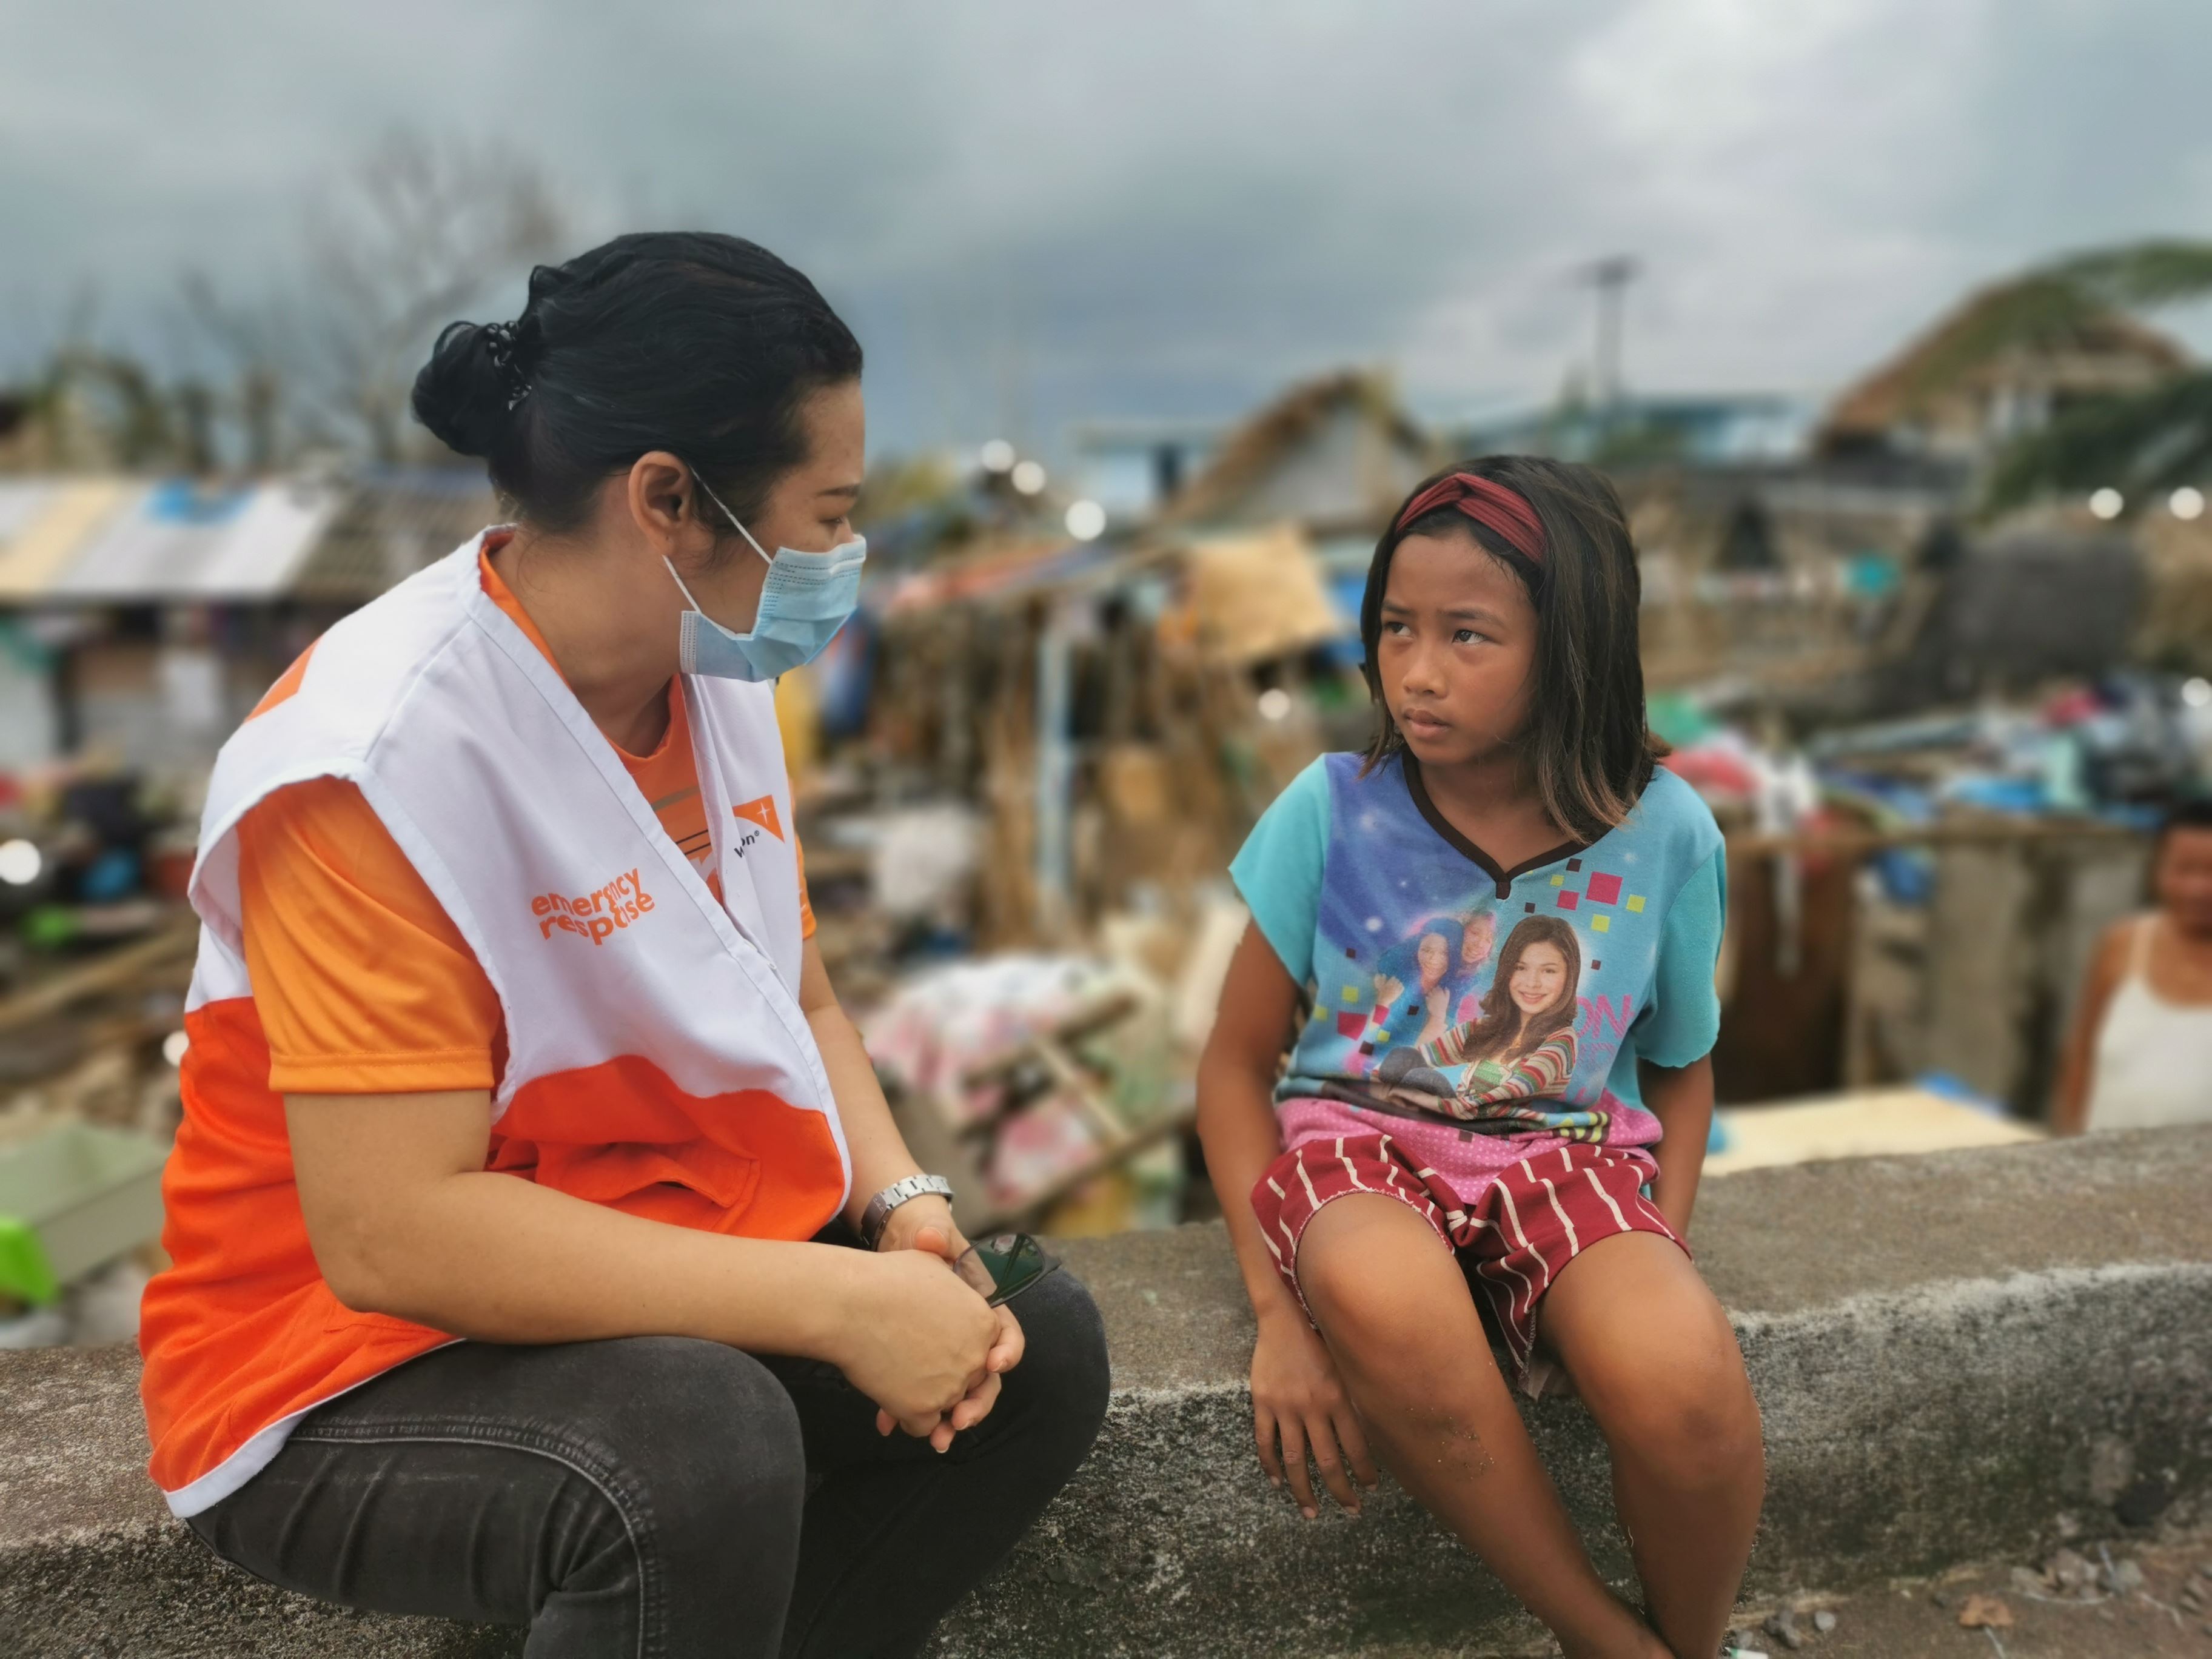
(1533, 1218)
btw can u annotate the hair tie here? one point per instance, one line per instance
(502, 344)
(1490, 504)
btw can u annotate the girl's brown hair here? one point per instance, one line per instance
(1587, 749)
(1501, 1024)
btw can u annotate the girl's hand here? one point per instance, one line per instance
(925, 1224)
(1297, 1399)
(920, 1342)
(1387, 990)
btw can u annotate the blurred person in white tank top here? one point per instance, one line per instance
(2140, 1054)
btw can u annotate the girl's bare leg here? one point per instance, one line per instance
(1402, 1327)
(1652, 1355)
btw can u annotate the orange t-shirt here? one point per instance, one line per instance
(362, 983)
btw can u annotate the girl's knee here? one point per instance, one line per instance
(1349, 1300)
(1371, 1265)
(1376, 1320)
(1692, 1423)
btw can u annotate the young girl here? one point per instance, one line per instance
(1512, 771)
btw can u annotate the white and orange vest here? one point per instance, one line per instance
(658, 1060)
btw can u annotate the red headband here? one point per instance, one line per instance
(1490, 505)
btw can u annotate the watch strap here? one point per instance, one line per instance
(877, 1215)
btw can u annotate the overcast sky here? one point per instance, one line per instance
(1035, 212)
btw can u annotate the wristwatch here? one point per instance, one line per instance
(877, 1215)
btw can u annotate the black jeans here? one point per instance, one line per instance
(649, 1496)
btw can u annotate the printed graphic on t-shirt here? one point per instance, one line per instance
(1516, 1043)
(1432, 994)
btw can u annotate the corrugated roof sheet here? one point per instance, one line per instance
(126, 541)
(44, 522)
(181, 541)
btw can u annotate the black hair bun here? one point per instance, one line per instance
(465, 393)
(704, 343)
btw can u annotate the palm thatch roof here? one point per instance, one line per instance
(1334, 453)
(2028, 345)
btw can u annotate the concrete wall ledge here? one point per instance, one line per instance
(1959, 1358)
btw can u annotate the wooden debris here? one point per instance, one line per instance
(115, 971)
(1986, 1612)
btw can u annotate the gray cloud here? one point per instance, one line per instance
(1037, 213)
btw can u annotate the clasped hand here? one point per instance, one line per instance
(928, 1348)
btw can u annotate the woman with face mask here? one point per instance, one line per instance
(545, 1253)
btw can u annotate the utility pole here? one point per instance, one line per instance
(1610, 276)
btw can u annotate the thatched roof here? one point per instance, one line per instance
(1364, 485)
(1946, 378)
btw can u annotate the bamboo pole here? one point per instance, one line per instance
(111, 972)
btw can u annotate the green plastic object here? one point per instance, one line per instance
(50, 927)
(71, 1200)
(1675, 720)
(25, 1272)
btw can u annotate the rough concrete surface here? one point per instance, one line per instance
(1956, 1356)
(1921, 1620)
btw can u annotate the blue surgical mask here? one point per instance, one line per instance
(805, 601)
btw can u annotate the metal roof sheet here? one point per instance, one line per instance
(181, 541)
(44, 522)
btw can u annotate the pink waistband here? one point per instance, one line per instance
(1468, 1160)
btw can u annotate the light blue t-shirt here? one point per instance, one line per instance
(1509, 1000)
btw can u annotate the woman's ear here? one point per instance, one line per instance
(662, 498)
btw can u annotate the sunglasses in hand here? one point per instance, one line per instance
(1002, 1266)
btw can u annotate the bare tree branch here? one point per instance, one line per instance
(422, 229)
(262, 360)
